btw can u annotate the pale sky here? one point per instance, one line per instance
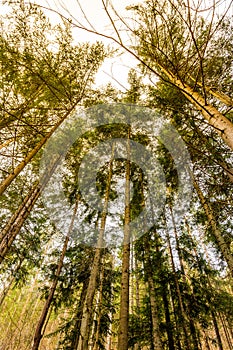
(114, 70)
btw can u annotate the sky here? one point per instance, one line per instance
(114, 70)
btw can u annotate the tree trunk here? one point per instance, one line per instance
(87, 309)
(227, 335)
(227, 100)
(157, 343)
(25, 106)
(5, 183)
(222, 125)
(206, 341)
(15, 223)
(74, 343)
(219, 340)
(177, 334)
(6, 290)
(180, 300)
(137, 285)
(169, 326)
(192, 326)
(124, 303)
(217, 234)
(97, 334)
(40, 325)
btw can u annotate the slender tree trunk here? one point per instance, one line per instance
(5, 183)
(157, 343)
(100, 302)
(180, 300)
(17, 220)
(169, 326)
(216, 328)
(219, 340)
(192, 326)
(25, 106)
(206, 340)
(87, 309)
(217, 234)
(227, 335)
(124, 303)
(6, 290)
(74, 343)
(131, 306)
(137, 285)
(38, 333)
(177, 334)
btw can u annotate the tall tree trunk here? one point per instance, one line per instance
(91, 289)
(206, 340)
(169, 326)
(17, 220)
(74, 343)
(124, 303)
(6, 290)
(25, 106)
(5, 183)
(180, 300)
(215, 231)
(210, 287)
(137, 296)
(131, 305)
(40, 325)
(219, 340)
(87, 309)
(99, 312)
(157, 343)
(177, 334)
(192, 326)
(15, 223)
(227, 335)
(221, 124)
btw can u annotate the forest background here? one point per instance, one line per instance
(74, 286)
